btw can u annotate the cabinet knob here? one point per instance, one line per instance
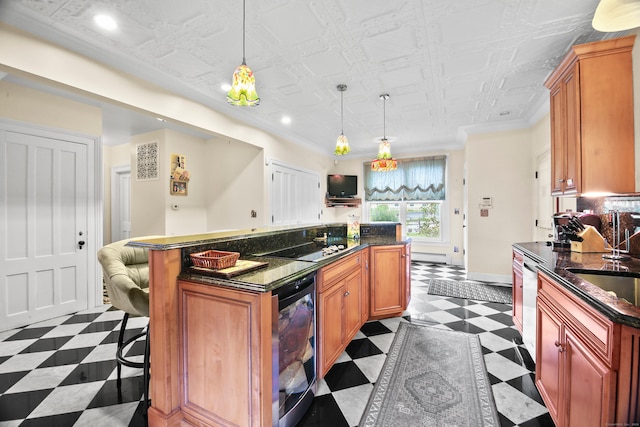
(346, 294)
(560, 346)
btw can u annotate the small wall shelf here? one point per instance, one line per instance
(343, 202)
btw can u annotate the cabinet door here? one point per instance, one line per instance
(573, 154)
(548, 358)
(558, 138)
(364, 297)
(352, 304)
(589, 386)
(331, 334)
(517, 290)
(407, 274)
(387, 281)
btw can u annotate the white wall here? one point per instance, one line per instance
(499, 165)
(234, 185)
(151, 202)
(32, 106)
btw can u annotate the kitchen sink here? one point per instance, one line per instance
(623, 286)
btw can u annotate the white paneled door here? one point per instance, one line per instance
(295, 195)
(44, 215)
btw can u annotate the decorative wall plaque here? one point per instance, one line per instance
(147, 161)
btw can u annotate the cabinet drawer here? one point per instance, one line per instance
(596, 330)
(329, 274)
(517, 257)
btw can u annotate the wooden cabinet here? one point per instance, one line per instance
(364, 310)
(592, 126)
(339, 314)
(407, 275)
(576, 358)
(225, 355)
(548, 358)
(517, 288)
(590, 385)
(389, 280)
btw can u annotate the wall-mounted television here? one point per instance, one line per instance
(342, 185)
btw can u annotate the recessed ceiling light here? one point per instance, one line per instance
(106, 22)
(286, 120)
(226, 87)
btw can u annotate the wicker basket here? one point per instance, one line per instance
(215, 259)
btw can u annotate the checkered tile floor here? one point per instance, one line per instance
(62, 372)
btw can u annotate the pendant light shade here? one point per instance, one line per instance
(342, 144)
(616, 15)
(243, 90)
(384, 161)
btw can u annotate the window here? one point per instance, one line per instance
(413, 195)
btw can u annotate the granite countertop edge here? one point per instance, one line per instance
(305, 268)
(555, 264)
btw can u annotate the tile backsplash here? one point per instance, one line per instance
(604, 205)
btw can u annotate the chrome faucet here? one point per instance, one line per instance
(616, 252)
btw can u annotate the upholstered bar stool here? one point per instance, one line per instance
(126, 277)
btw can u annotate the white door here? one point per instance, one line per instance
(544, 200)
(120, 203)
(465, 207)
(43, 216)
(295, 195)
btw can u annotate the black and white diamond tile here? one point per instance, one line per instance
(62, 372)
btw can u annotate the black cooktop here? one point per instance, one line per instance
(310, 251)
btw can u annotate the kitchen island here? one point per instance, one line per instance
(213, 349)
(587, 333)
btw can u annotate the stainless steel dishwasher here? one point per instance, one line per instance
(529, 294)
(294, 349)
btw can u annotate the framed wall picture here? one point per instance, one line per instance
(178, 188)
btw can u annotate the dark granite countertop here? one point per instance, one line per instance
(281, 271)
(555, 264)
(250, 243)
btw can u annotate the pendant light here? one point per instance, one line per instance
(384, 162)
(616, 15)
(243, 90)
(342, 144)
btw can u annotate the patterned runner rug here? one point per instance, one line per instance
(432, 377)
(470, 290)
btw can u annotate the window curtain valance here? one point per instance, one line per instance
(415, 179)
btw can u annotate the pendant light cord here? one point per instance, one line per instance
(384, 118)
(244, 11)
(341, 113)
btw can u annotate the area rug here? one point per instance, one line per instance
(470, 290)
(432, 377)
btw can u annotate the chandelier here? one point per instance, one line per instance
(243, 90)
(342, 144)
(384, 161)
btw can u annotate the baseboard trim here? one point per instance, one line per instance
(484, 277)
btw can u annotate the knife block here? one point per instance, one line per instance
(592, 241)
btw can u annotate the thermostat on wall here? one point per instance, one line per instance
(486, 203)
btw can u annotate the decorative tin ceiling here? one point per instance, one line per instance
(450, 67)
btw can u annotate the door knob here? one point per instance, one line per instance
(81, 244)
